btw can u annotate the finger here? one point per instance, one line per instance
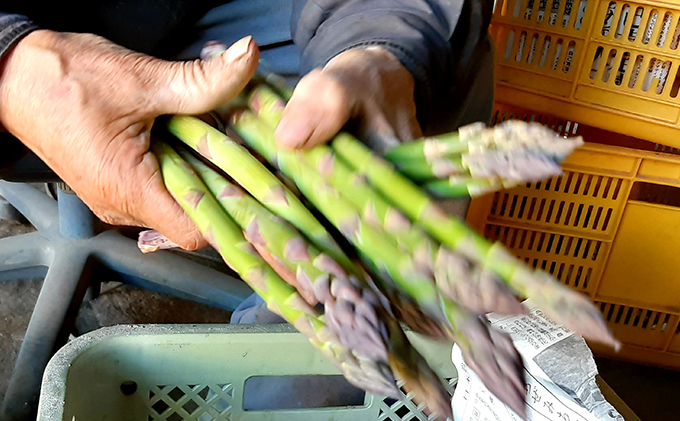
(199, 86)
(406, 125)
(316, 112)
(162, 213)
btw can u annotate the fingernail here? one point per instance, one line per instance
(238, 49)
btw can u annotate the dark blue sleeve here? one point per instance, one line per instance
(12, 29)
(436, 40)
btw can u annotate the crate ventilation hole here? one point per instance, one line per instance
(645, 20)
(558, 13)
(580, 253)
(190, 402)
(634, 317)
(406, 409)
(519, 204)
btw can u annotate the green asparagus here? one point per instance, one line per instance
(255, 178)
(226, 237)
(376, 210)
(352, 311)
(465, 328)
(560, 303)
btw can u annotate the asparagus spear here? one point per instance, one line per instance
(436, 147)
(477, 288)
(477, 160)
(386, 255)
(560, 303)
(352, 311)
(353, 188)
(500, 168)
(421, 170)
(226, 237)
(492, 170)
(255, 178)
(456, 186)
(511, 135)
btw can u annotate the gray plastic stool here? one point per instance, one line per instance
(65, 249)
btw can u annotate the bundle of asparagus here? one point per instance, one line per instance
(355, 331)
(561, 303)
(475, 159)
(491, 351)
(437, 275)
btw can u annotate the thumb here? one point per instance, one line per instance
(199, 86)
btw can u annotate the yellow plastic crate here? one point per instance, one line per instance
(607, 64)
(609, 227)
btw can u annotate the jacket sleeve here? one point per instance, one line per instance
(12, 28)
(436, 40)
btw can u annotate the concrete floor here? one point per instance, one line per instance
(650, 392)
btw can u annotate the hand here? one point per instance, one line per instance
(366, 84)
(86, 106)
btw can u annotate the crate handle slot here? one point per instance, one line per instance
(255, 400)
(656, 194)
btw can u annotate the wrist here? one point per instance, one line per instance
(12, 79)
(13, 28)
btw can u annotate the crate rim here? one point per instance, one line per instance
(53, 392)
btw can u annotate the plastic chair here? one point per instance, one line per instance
(66, 248)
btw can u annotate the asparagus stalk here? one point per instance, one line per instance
(378, 211)
(471, 335)
(351, 186)
(511, 135)
(376, 244)
(255, 178)
(352, 311)
(226, 237)
(476, 288)
(560, 303)
(478, 160)
(512, 166)
(479, 173)
(456, 186)
(421, 170)
(436, 147)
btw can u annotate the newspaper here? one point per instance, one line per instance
(560, 374)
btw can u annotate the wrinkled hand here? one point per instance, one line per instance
(368, 85)
(86, 106)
